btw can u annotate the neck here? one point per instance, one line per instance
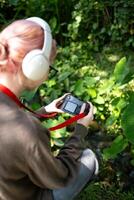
(11, 81)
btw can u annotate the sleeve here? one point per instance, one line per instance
(51, 172)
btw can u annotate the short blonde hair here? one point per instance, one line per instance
(16, 40)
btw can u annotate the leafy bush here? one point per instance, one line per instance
(102, 22)
(98, 192)
(51, 11)
(111, 93)
(98, 22)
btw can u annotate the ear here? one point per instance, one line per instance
(3, 55)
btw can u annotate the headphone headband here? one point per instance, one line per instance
(47, 35)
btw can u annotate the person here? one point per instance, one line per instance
(28, 169)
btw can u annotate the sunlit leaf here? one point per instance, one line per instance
(99, 100)
(91, 92)
(56, 134)
(106, 86)
(121, 70)
(58, 142)
(79, 87)
(121, 104)
(90, 81)
(51, 82)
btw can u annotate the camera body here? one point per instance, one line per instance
(72, 105)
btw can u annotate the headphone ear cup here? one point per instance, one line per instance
(35, 66)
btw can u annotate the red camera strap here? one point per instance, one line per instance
(10, 94)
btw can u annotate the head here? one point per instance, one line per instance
(16, 41)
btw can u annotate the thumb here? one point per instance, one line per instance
(60, 100)
(59, 110)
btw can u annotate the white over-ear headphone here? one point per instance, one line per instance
(36, 63)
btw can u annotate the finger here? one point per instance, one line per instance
(83, 108)
(91, 106)
(60, 99)
(59, 111)
(90, 114)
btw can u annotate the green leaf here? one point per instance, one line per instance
(99, 100)
(53, 22)
(60, 132)
(121, 70)
(64, 75)
(111, 120)
(118, 145)
(106, 87)
(58, 142)
(50, 123)
(51, 83)
(79, 87)
(78, 19)
(57, 133)
(35, 106)
(121, 104)
(13, 2)
(28, 95)
(132, 162)
(90, 81)
(91, 92)
(127, 121)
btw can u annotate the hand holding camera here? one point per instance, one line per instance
(85, 121)
(72, 105)
(54, 106)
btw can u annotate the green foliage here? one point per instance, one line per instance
(118, 145)
(50, 10)
(128, 120)
(102, 21)
(98, 22)
(121, 70)
(80, 75)
(98, 192)
(58, 135)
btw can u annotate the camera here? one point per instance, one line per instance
(72, 105)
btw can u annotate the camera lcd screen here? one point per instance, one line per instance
(70, 106)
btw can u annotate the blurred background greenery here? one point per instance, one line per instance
(95, 63)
